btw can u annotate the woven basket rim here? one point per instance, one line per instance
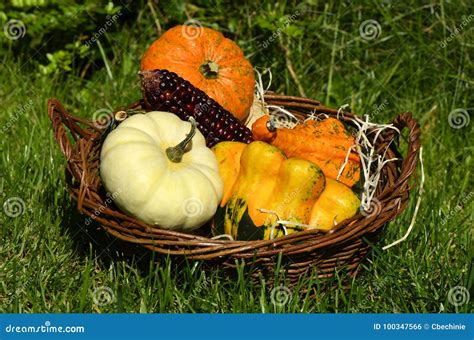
(83, 184)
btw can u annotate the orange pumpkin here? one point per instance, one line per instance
(209, 61)
(325, 143)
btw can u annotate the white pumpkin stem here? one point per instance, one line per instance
(120, 116)
(175, 153)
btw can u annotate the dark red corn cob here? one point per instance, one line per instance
(166, 91)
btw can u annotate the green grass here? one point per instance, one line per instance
(50, 262)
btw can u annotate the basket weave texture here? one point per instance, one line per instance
(325, 251)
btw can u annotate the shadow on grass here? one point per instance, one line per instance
(89, 236)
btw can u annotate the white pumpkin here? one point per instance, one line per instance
(160, 171)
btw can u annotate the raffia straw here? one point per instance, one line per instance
(415, 213)
(371, 178)
(283, 223)
(315, 116)
(266, 109)
(223, 236)
(259, 88)
(346, 161)
(340, 110)
(258, 108)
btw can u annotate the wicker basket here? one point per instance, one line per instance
(325, 251)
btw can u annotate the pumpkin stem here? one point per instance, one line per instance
(120, 116)
(175, 153)
(209, 69)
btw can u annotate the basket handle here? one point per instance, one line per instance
(60, 118)
(406, 120)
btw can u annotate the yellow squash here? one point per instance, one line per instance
(266, 184)
(337, 203)
(228, 154)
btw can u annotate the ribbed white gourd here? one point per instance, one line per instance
(136, 169)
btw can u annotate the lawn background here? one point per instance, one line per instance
(419, 60)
